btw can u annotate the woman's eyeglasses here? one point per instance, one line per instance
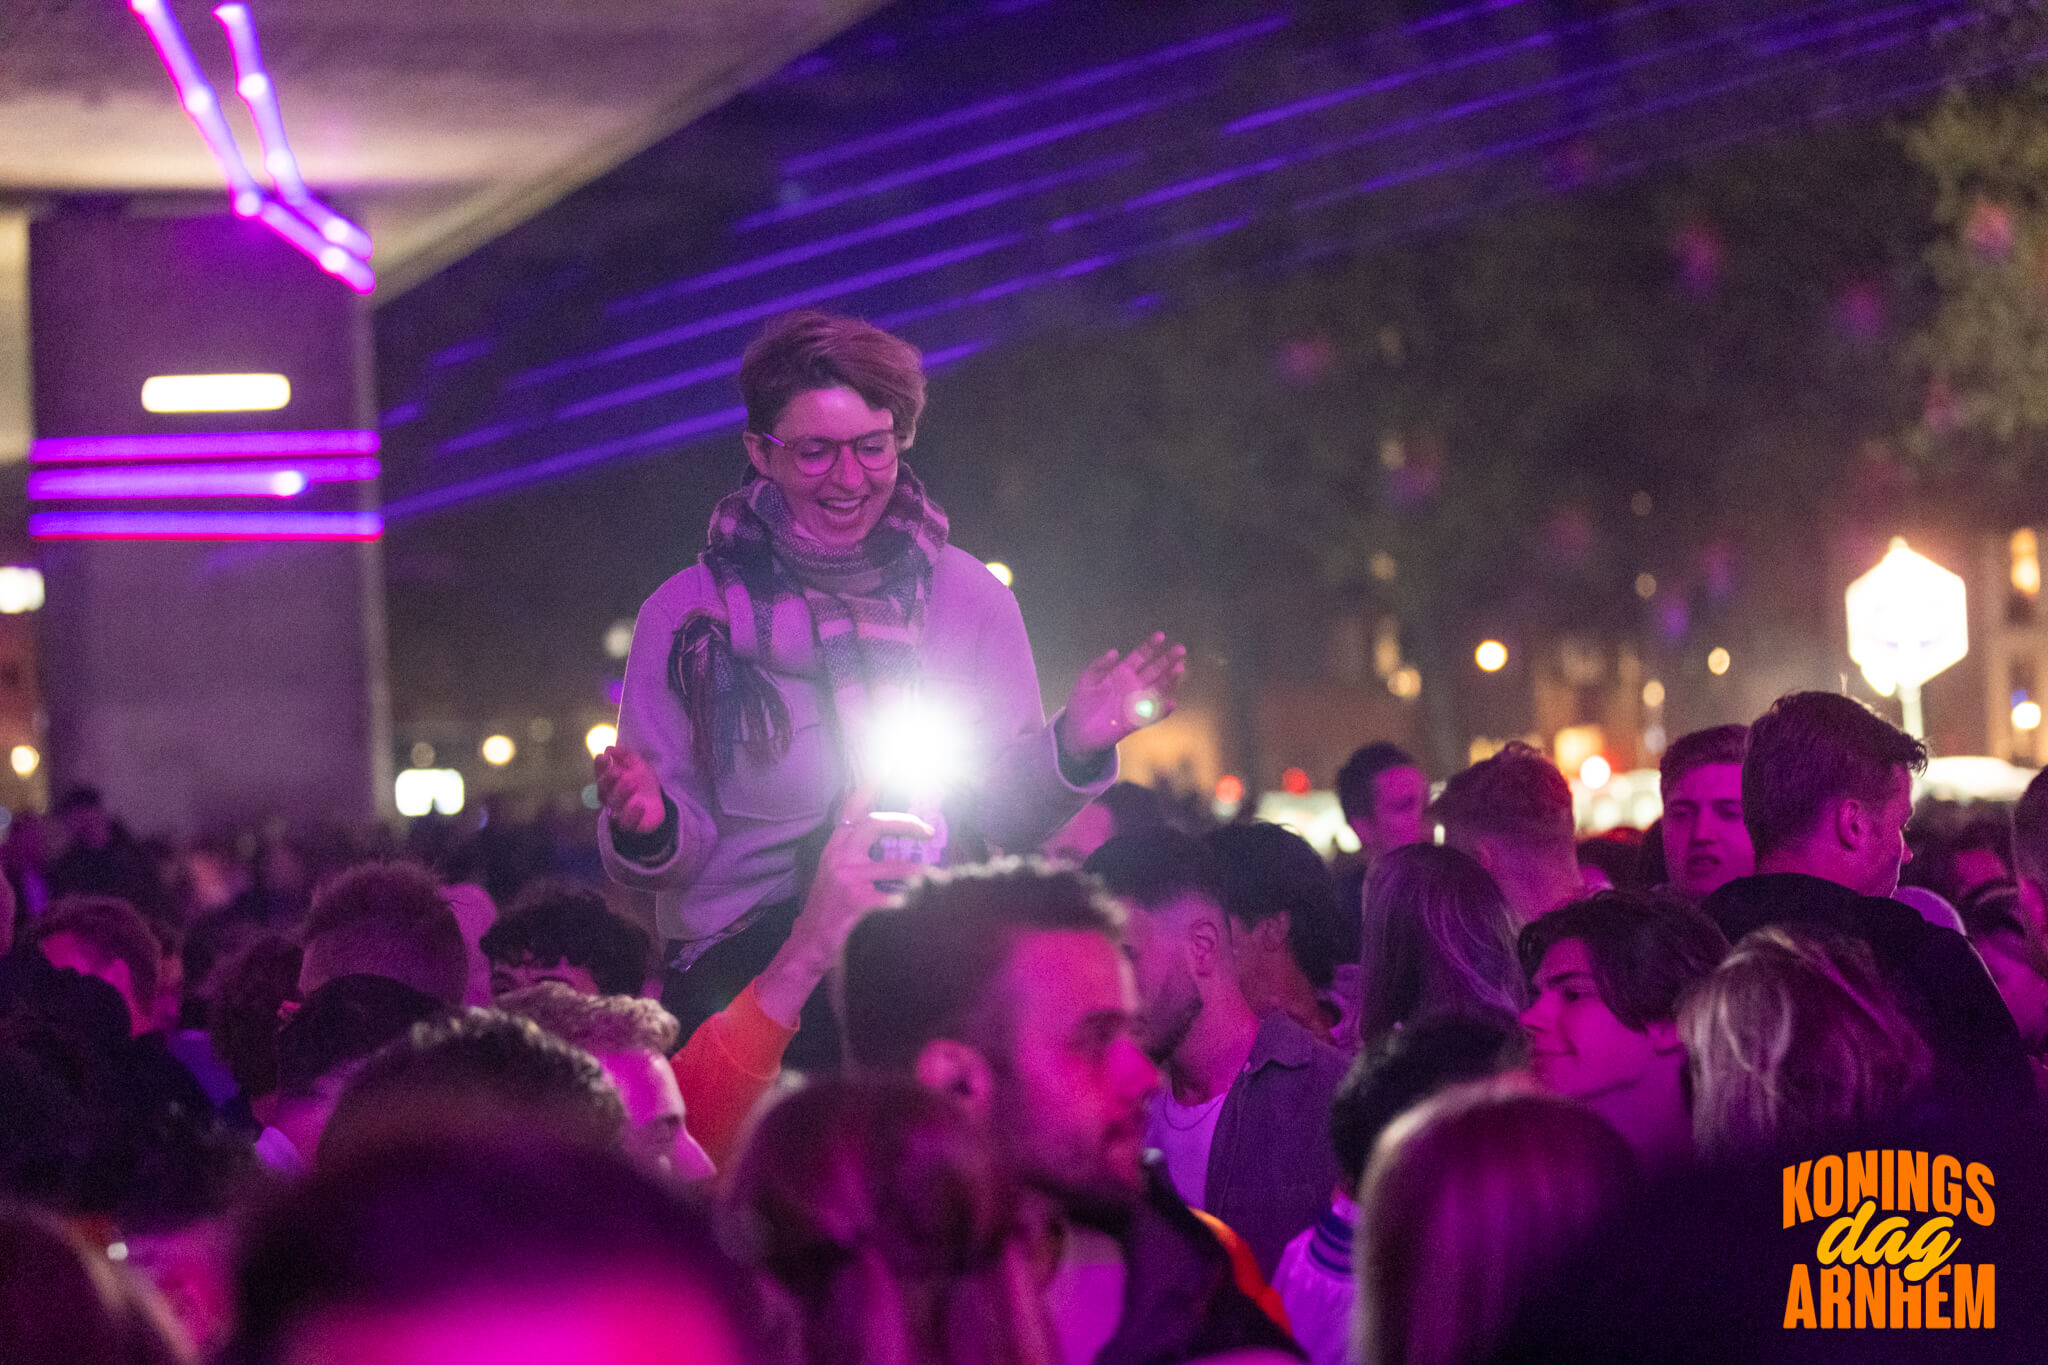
(816, 454)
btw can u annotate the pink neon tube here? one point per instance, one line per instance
(226, 445)
(253, 480)
(205, 525)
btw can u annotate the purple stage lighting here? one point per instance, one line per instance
(338, 246)
(205, 525)
(253, 480)
(253, 84)
(201, 446)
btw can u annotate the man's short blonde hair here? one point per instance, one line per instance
(598, 1024)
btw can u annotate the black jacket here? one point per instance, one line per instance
(1181, 1300)
(1979, 1060)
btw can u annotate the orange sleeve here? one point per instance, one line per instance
(724, 1069)
(1245, 1268)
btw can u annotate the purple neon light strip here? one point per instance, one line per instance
(259, 92)
(335, 260)
(1003, 104)
(205, 525)
(740, 317)
(200, 446)
(196, 95)
(825, 246)
(1498, 99)
(253, 480)
(990, 151)
(1164, 194)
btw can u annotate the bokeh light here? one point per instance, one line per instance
(1491, 656)
(2025, 716)
(1595, 771)
(1718, 661)
(1653, 693)
(498, 750)
(1002, 573)
(24, 760)
(1295, 781)
(600, 738)
(1229, 790)
(21, 589)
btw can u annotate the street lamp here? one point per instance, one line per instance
(1906, 623)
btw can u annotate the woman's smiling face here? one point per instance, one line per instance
(838, 505)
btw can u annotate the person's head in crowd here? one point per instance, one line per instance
(1283, 911)
(478, 1073)
(1177, 936)
(1706, 844)
(1954, 857)
(83, 815)
(1513, 814)
(1403, 1069)
(185, 1186)
(558, 932)
(1007, 987)
(108, 938)
(1827, 789)
(63, 1302)
(2030, 854)
(2015, 955)
(241, 1016)
(1612, 861)
(1124, 808)
(631, 1038)
(1606, 974)
(883, 1212)
(1438, 938)
(513, 1249)
(210, 945)
(1472, 1206)
(1793, 1041)
(1382, 791)
(319, 1050)
(386, 919)
(475, 912)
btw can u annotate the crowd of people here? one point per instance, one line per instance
(1003, 1060)
(1162, 1092)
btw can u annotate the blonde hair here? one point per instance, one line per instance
(882, 1211)
(1794, 1038)
(1470, 1207)
(598, 1024)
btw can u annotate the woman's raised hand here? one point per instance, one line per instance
(1119, 694)
(628, 789)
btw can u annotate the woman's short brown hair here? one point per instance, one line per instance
(807, 350)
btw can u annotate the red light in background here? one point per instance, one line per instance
(1229, 790)
(1294, 780)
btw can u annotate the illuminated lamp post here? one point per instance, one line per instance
(1906, 624)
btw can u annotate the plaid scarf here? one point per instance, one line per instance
(786, 604)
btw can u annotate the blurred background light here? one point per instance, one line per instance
(215, 392)
(1491, 656)
(498, 750)
(1653, 693)
(21, 589)
(1595, 771)
(1002, 572)
(24, 760)
(618, 639)
(420, 790)
(600, 738)
(2027, 716)
(1718, 661)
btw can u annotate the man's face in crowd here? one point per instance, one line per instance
(655, 1135)
(1577, 1048)
(507, 977)
(1080, 836)
(71, 951)
(1705, 842)
(1168, 1001)
(1071, 1089)
(1882, 856)
(1399, 796)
